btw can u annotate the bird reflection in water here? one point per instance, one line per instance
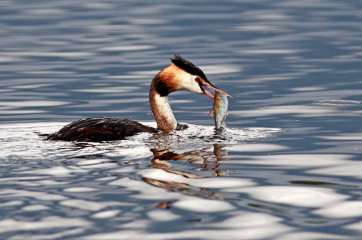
(205, 159)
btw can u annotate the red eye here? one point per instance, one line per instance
(198, 80)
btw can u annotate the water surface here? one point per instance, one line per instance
(289, 167)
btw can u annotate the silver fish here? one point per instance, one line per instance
(221, 105)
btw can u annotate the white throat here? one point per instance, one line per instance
(162, 112)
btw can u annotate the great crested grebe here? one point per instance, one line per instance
(181, 74)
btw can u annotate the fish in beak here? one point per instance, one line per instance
(220, 110)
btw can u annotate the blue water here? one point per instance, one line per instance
(289, 168)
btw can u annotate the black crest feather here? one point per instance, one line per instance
(189, 67)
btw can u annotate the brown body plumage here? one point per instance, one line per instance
(99, 129)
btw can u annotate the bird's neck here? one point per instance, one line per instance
(162, 111)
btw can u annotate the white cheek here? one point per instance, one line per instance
(192, 85)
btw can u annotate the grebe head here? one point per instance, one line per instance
(179, 75)
(184, 75)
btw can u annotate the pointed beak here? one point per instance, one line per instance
(210, 90)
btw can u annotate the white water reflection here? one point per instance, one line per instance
(125, 48)
(296, 196)
(32, 103)
(347, 209)
(193, 204)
